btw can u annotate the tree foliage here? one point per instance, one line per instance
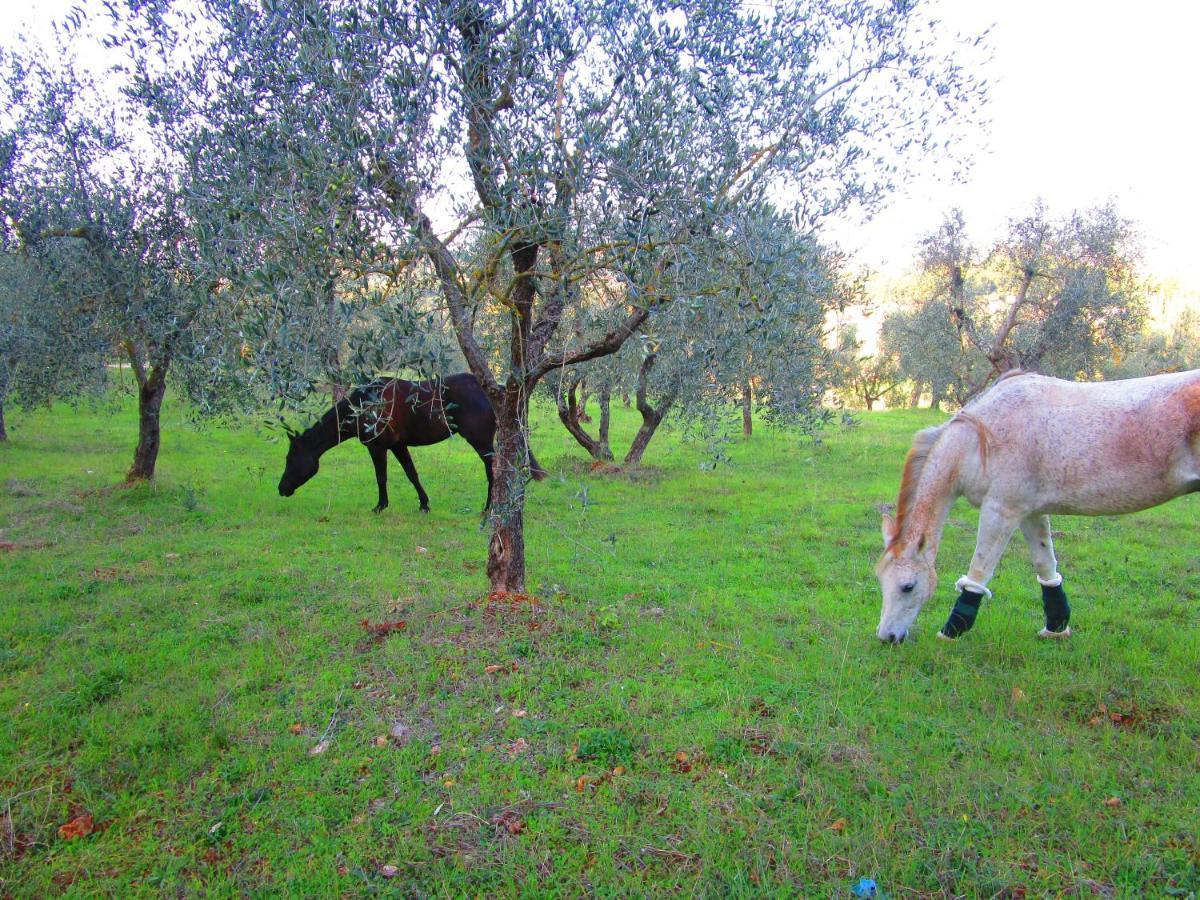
(747, 327)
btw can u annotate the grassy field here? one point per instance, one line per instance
(696, 703)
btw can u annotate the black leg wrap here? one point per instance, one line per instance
(1058, 611)
(962, 617)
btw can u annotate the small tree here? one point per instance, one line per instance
(1055, 296)
(98, 219)
(930, 351)
(749, 319)
(864, 378)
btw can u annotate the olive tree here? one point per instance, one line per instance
(95, 214)
(931, 352)
(1059, 296)
(860, 377)
(567, 141)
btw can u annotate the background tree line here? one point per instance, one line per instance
(1064, 296)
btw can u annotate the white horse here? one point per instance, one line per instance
(1028, 447)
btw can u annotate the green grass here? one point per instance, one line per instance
(696, 705)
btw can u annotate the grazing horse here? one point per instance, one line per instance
(1029, 447)
(392, 414)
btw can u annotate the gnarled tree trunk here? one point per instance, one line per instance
(651, 417)
(150, 397)
(510, 472)
(604, 401)
(569, 415)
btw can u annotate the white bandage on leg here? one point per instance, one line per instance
(973, 586)
(1053, 581)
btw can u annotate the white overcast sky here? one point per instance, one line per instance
(1090, 99)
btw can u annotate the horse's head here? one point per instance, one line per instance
(907, 577)
(301, 465)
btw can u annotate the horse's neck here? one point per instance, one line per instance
(936, 492)
(332, 428)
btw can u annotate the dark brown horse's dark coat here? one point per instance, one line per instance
(393, 415)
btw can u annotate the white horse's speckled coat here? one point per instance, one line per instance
(1029, 447)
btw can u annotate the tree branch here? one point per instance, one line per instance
(606, 345)
(447, 272)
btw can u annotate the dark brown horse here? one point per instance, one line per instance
(392, 414)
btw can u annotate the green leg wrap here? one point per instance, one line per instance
(962, 617)
(1058, 611)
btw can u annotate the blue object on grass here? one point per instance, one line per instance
(866, 887)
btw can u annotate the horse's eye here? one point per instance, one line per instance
(907, 588)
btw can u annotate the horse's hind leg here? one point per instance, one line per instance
(411, 471)
(486, 453)
(379, 458)
(1054, 600)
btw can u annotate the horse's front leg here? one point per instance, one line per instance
(411, 471)
(996, 526)
(379, 458)
(1054, 599)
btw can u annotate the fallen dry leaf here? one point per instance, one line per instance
(839, 825)
(519, 746)
(1112, 802)
(319, 748)
(295, 728)
(80, 826)
(1018, 695)
(520, 713)
(492, 669)
(618, 771)
(389, 871)
(381, 740)
(422, 549)
(681, 762)
(509, 821)
(383, 629)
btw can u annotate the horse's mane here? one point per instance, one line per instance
(914, 464)
(345, 410)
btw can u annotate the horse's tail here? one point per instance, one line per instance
(536, 472)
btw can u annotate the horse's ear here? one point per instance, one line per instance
(889, 530)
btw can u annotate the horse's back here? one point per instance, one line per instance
(1092, 447)
(427, 412)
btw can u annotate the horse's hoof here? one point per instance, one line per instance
(378, 509)
(942, 637)
(1055, 635)
(424, 509)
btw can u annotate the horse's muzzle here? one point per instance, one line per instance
(285, 491)
(889, 638)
